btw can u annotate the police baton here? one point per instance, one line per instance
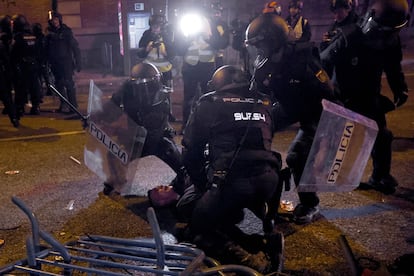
(71, 106)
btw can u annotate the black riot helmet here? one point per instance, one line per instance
(37, 29)
(267, 32)
(146, 81)
(228, 77)
(385, 16)
(5, 24)
(19, 23)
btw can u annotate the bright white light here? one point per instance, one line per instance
(191, 24)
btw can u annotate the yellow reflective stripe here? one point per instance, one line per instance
(298, 28)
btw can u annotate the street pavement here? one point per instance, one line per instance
(44, 148)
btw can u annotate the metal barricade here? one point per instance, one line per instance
(103, 255)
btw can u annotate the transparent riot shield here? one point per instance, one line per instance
(340, 151)
(114, 142)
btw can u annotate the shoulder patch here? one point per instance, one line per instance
(322, 76)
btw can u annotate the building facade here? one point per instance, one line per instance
(109, 30)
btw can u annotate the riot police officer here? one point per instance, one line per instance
(292, 75)
(235, 125)
(6, 85)
(344, 15)
(143, 99)
(63, 55)
(24, 58)
(359, 58)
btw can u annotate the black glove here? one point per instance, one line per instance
(169, 132)
(401, 98)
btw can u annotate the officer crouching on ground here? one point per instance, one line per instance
(234, 125)
(142, 98)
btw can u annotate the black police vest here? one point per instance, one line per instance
(26, 48)
(243, 124)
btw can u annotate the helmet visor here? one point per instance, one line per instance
(148, 91)
(370, 25)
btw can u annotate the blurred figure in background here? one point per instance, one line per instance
(299, 27)
(344, 15)
(25, 62)
(40, 48)
(156, 47)
(6, 85)
(216, 15)
(198, 42)
(63, 55)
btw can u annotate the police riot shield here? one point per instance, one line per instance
(340, 150)
(114, 142)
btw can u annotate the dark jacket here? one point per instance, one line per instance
(229, 121)
(358, 68)
(62, 47)
(337, 27)
(166, 37)
(24, 50)
(297, 82)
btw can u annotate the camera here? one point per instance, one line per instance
(157, 42)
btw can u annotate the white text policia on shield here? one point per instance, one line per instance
(340, 153)
(114, 148)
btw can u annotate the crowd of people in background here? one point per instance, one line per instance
(30, 59)
(230, 114)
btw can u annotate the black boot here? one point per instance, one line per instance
(108, 188)
(15, 122)
(274, 248)
(258, 261)
(35, 110)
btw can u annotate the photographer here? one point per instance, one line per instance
(155, 46)
(199, 41)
